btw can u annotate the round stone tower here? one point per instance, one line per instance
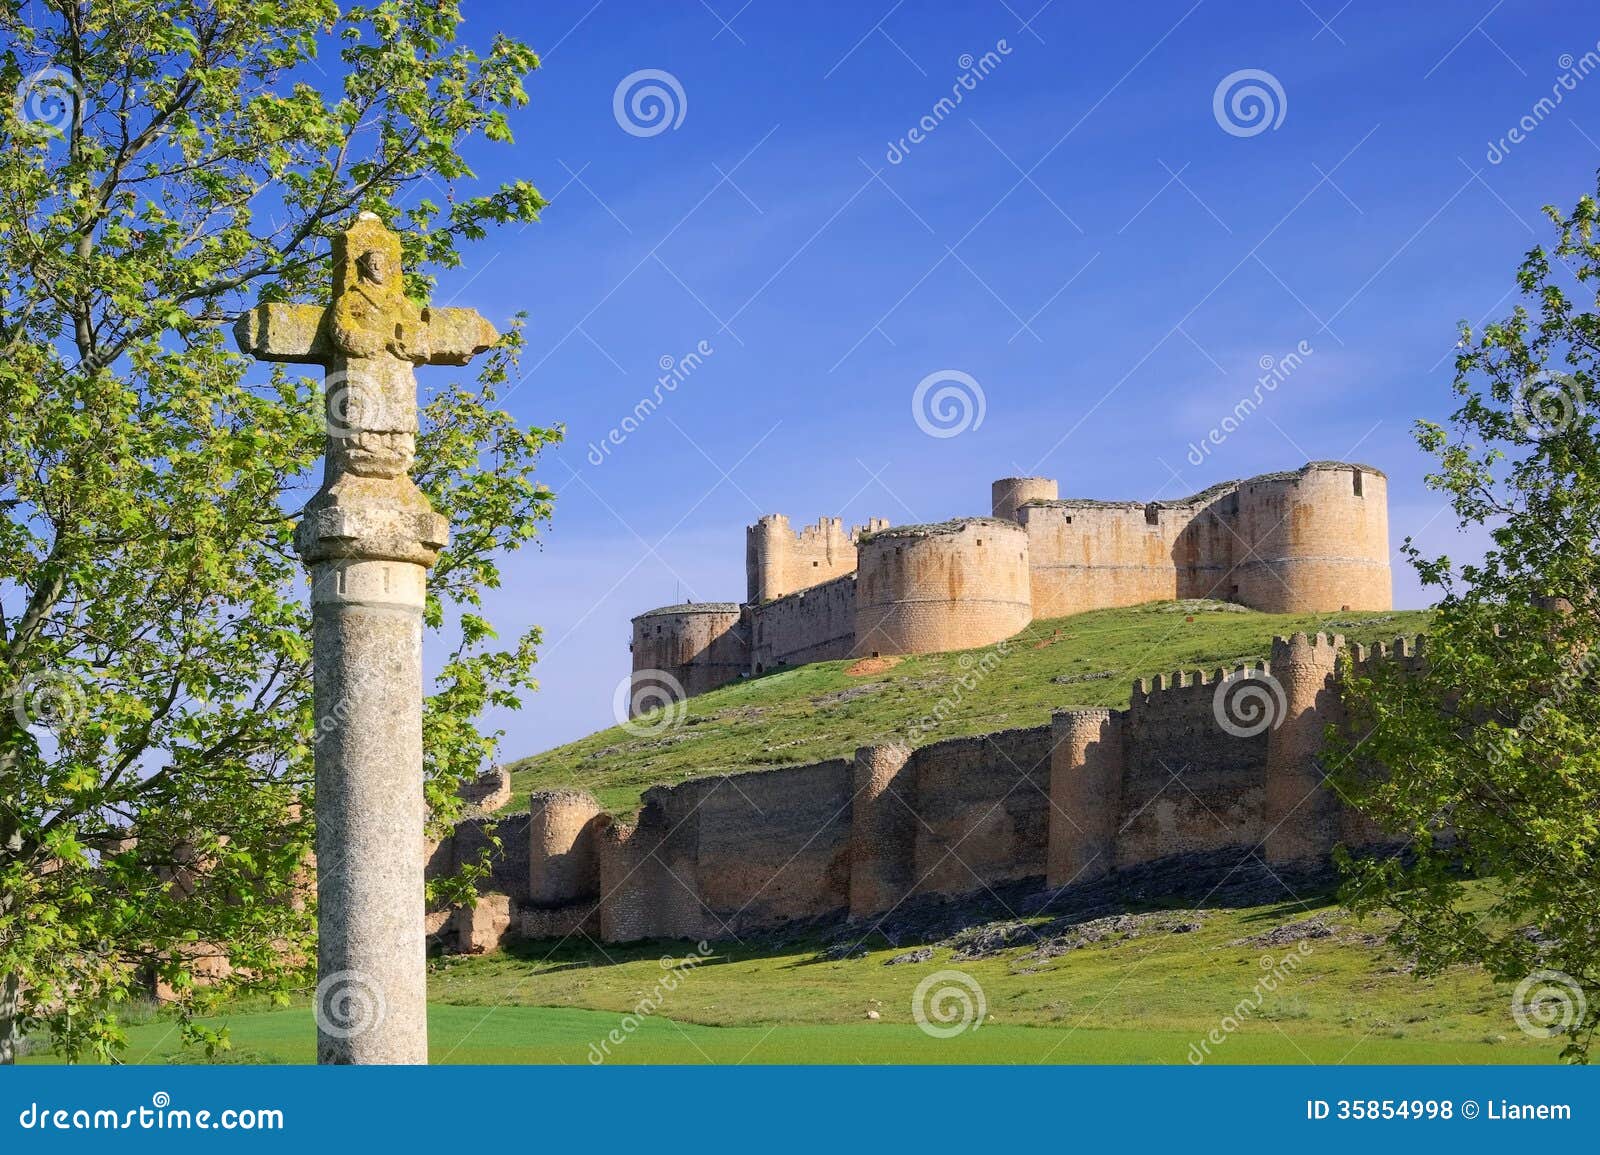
(699, 647)
(927, 588)
(1301, 813)
(1086, 765)
(766, 558)
(1313, 541)
(563, 847)
(1010, 494)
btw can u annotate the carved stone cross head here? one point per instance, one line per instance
(368, 340)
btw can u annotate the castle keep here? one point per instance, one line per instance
(1310, 540)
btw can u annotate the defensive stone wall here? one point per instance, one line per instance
(1309, 540)
(810, 625)
(1200, 763)
(1312, 540)
(983, 810)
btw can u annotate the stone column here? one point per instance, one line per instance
(368, 538)
(367, 645)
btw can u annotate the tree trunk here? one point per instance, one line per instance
(10, 1008)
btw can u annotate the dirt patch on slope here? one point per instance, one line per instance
(868, 666)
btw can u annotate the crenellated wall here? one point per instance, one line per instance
(1309, 540)
(779, 560)
(1199, 763)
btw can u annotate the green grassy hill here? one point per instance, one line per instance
(1144, 988)
(811, 713)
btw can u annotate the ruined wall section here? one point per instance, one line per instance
(715, 857)
(953, 586)
(983, 809)
(810, 625)
(1199, 763)
(697, 647)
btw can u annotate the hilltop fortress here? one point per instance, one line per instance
(1204, 769)
(1309, 540)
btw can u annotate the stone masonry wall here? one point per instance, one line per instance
(810, 625)
(1312, 540)
(780, 560)
(697, 647)
(1199, 763)
(925, 589)
(983, 807)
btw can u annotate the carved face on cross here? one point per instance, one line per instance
(369, 339)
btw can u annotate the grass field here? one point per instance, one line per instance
(822, 710)
(1143, 997)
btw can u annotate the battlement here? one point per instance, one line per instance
(780, 560)
(1151, 690)
(1222, 763)
(1301, 648)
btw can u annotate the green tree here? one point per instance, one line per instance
(1491, 754)
(164, 164)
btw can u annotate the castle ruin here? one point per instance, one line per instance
(1309, 540)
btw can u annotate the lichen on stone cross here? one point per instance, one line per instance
(369, 339)
(368, 537)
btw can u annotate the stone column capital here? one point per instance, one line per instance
(371, 519)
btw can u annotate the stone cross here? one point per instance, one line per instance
(368, 537)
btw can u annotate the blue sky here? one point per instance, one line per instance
(1082, 236)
